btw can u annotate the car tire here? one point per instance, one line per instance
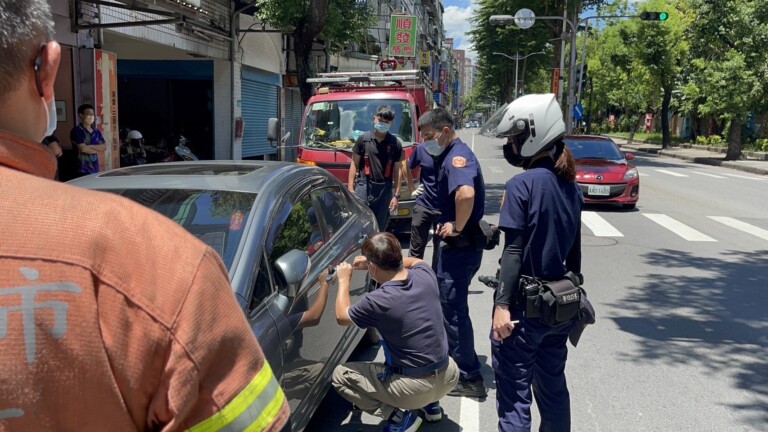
(629, 206)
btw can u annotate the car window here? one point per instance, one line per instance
(595, 150)
(300, 230)
(262, 287)
(216, 217)
(334, 209)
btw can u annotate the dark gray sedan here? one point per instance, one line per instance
(276, 226)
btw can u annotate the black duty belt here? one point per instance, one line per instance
(412, 371)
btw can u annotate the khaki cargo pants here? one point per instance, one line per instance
(357, 383)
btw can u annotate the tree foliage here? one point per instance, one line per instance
(336, 22)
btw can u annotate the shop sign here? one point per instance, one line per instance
(402, 36)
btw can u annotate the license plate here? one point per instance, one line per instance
(599, 190)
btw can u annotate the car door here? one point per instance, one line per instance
(306, 323)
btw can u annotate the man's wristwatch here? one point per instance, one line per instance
(397, 196)
(456, 231)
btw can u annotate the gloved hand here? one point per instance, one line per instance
(419, 190)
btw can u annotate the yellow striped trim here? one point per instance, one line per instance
(252, 410)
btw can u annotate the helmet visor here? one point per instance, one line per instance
(489, 127)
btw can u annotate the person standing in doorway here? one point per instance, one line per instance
(461, 202)
(87, 139)
(374, 173)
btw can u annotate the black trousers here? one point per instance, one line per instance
(423, 220)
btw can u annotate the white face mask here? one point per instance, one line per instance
(50, 117)
(433, 147)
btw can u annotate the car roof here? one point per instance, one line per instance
(244, 176)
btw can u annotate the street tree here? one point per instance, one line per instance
(336, 22)
(727, 76)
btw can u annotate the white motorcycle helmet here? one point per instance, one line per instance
(134, 135)
(533, 122)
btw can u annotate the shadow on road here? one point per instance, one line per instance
(716, 321)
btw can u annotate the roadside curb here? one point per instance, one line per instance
(754, 166)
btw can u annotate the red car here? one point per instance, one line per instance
(603, 171)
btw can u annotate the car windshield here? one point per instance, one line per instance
(594, 150)
(338, 124)
(215, 217)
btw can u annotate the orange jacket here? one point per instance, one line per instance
(113, 317)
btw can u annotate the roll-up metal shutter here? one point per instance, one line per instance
(294, 111)
(259, 95)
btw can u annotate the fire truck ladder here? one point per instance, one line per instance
(402, 77)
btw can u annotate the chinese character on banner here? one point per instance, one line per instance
(403, 24)
(408, 49)
(403, 38)
(396, 49)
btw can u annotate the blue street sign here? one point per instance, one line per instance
(578, 111)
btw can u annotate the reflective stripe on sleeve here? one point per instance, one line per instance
(253, 409)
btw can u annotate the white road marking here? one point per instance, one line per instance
(708, 175)
(496, 170)
(672, 173)
(679, 228)
(599, 226)
(744, 177)
(741, 226)
(469, 420)
(642, 174)
(473, 142)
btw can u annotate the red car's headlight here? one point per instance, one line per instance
(630, 174)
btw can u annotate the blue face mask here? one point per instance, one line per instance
(381, 127)
(433, 146)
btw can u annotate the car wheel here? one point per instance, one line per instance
(629, 206)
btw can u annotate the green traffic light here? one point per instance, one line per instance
(663, 16)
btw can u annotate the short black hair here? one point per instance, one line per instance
(81, 109)
(384, 250)
(437, 118)
(385, 112)
(24, 26)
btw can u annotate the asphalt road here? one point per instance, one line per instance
(680, 286)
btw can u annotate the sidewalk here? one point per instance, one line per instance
(757, 162)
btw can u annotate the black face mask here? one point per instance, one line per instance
(512, 158)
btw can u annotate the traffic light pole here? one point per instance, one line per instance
(581, 66)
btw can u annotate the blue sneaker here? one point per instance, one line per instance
(403, 421)
(432, 412)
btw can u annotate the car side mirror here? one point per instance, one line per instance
(629, 156)
(292, 268)
(273, 129)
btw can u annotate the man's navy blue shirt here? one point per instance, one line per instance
(420, 158)
(459, 167)
(547, 210)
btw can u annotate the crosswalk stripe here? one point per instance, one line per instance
(672, 173)
(744, 177)
(470, 415)
(679, 228)
(496, 170)
(742, 226)
(708, 175)
(599, 226)
(642, 174)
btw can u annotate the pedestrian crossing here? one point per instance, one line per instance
(644, 172)
(691, 230)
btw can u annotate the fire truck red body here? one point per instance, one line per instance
(342, 108)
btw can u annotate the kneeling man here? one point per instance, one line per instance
(406, 311)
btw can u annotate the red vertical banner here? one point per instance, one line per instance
(555, 80)
(105, 102)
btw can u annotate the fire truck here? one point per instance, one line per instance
(342, 109)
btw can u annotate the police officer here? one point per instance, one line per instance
(541, 221)
(374, 173)
(461, 202)
(425, 212)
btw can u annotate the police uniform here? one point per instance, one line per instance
(545, 212)
(458, 257)
(425, 212)
(374, 175)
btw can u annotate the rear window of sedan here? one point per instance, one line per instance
(216, 217)
(595, 150)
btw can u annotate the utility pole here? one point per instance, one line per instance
(560, 80)
(517, 59)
